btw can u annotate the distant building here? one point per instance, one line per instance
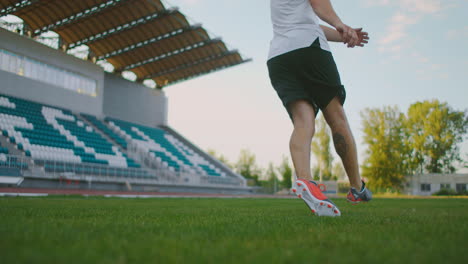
(427, 184)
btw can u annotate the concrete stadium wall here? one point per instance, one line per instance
(134, 102)
(114, 186)
(15, 85)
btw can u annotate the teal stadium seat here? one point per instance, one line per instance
(164, 148)
(47, 133)
(50, 133)
(114, 136)
(13, 163)
(99, 124)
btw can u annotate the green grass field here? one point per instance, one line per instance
(177, 230)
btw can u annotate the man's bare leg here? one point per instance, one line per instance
(344, 141)
(303, 115)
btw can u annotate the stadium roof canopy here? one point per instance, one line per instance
(141, 36)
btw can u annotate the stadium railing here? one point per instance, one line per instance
(182, 175)
(11, 165)
(22, 166)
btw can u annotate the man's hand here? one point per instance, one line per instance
(334, 35)
(348, 35)
(352, 37)
(363, 37)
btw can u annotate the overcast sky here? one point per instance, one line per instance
(417, 52)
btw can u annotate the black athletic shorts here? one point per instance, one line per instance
(308, 73)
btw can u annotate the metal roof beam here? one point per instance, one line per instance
(190, 64)
(171, 53)
(126, 26)
(16, 7)
(80, 15)
(149, 41)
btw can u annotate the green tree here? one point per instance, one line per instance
(434, 131)
(321, 149)
(285, 171)
(338, 171)
(219, 157)
(247, 166)
(386, 162)
(270, 182)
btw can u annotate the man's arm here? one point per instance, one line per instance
(333, 35)
(324, 10)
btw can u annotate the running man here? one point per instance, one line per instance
(304, 74)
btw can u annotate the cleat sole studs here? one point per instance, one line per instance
(329, 206)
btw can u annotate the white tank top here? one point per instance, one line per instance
(295, 26)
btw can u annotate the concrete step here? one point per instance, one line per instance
(10, 146)
(104, 135)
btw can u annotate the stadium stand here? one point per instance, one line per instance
(58, 140)
(3, 150)
(50, 135)
(100, 125)
(57, 90)
(164, 148)
(11, 166)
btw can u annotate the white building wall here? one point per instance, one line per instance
(37, 91)
(115, 96)
(134, 102)
(415, 183)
